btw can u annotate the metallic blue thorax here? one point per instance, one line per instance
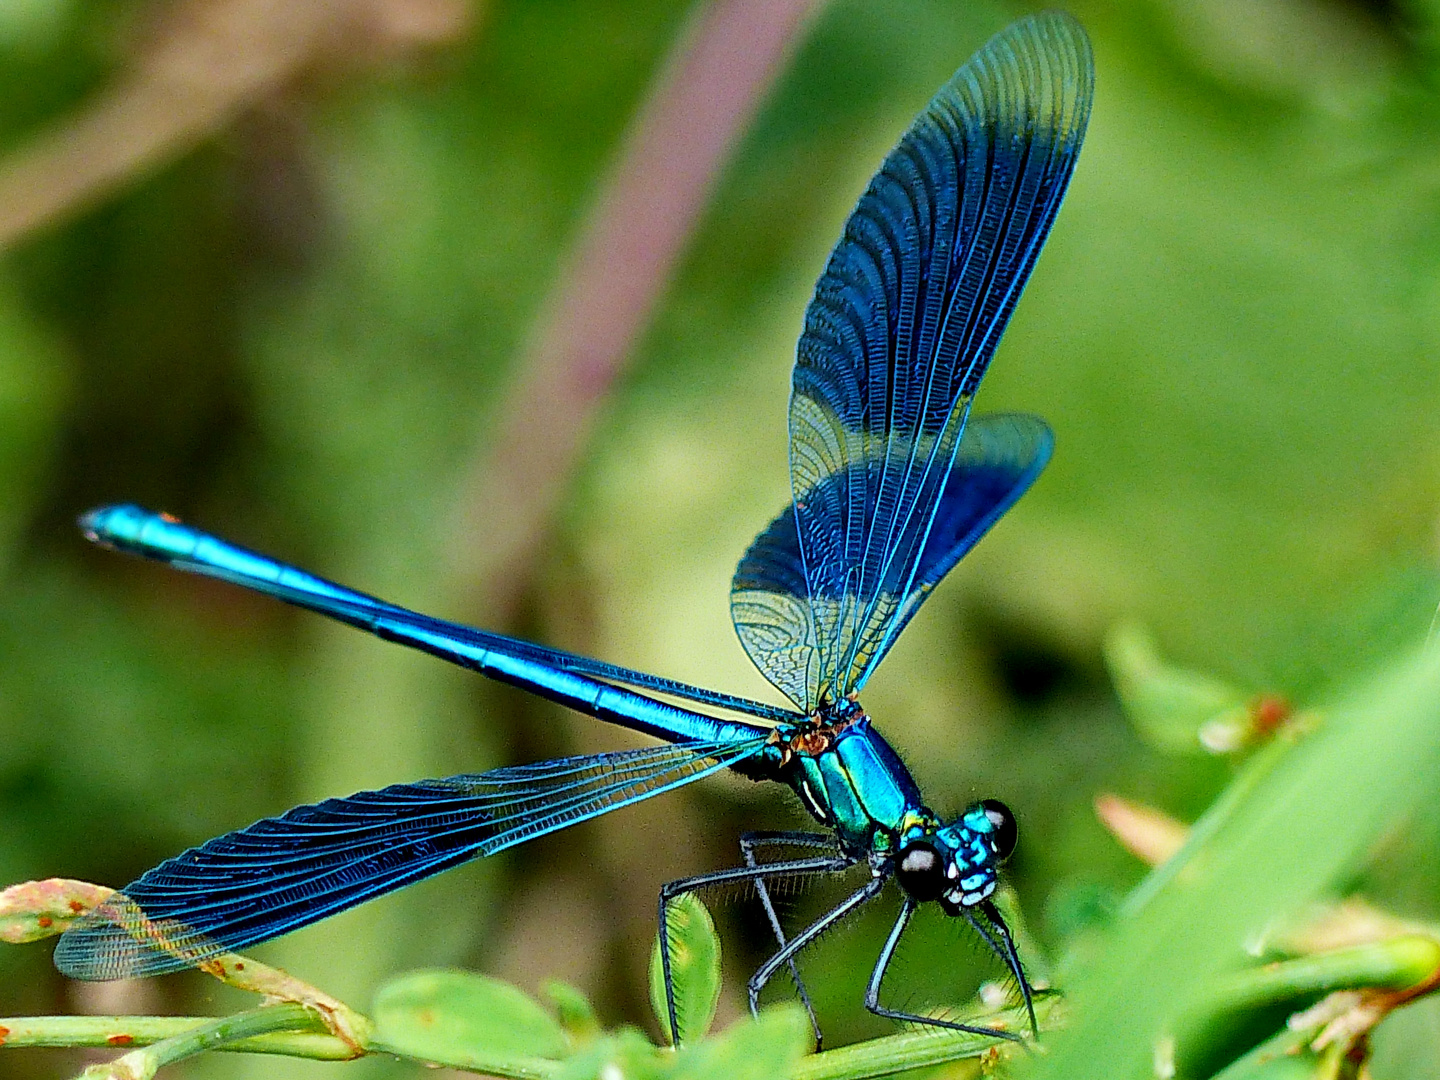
(851, 780)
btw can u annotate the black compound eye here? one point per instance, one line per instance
(1006, 833)
(921, 871)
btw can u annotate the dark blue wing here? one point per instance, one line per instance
(284, 873)
(901, 328)
(1000, 456)
(770, 607)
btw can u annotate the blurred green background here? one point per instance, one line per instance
(298, 331)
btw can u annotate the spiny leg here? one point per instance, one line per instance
(872, 991)
(827, 865)
(1012, 957)
(864, 894)
(749, 842)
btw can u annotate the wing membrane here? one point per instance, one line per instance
(283, 873)
(770, 607)
(999, 458)
(902, 326)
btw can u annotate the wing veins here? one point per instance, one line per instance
(237, 913)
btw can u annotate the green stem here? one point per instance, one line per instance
(1396, 964)
(210, 1035)
(271, 1029)
(893, 1054)
(126, 1031)
(1203, 1032)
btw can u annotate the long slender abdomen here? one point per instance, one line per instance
(569, 680)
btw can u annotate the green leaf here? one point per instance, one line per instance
(1301, 1066)
(455, 1015)
(1294, 831)
(694, 969)
(1173, 709)
(577, 1018)
(761, 1049)
(625, 1055)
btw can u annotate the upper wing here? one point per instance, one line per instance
(283, 873)
(999, 458)
(901, 328)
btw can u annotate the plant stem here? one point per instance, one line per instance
(210, 1035)
(1396, 964)
(893, 1054)
(123, 1031)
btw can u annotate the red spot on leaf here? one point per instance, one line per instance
(77, 907)
(120, 1040)
(45, 922)
(239, 966)
(4, 1034)
(1269, 711)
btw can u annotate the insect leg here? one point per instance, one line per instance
(865, 893)
(749, 843)
(823, 865)
(1011, 957)
(872, 991)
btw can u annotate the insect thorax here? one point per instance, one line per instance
(847, 776)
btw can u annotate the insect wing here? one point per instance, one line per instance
(1000, 456)
(770, 607)
(283, 873)
(902, 326)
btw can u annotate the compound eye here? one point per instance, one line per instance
(921, 871)
(1005, 832)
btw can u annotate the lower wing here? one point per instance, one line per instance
(283, 873)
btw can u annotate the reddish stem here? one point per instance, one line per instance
(601, 302)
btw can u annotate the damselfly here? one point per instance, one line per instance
(891, 486)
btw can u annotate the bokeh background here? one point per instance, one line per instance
(469, 305)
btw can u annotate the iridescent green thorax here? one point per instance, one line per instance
(848, 777)
(852, 781)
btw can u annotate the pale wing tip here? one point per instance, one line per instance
(1047, 60)
(119, 941)
(1056, 34)
(103, 952)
